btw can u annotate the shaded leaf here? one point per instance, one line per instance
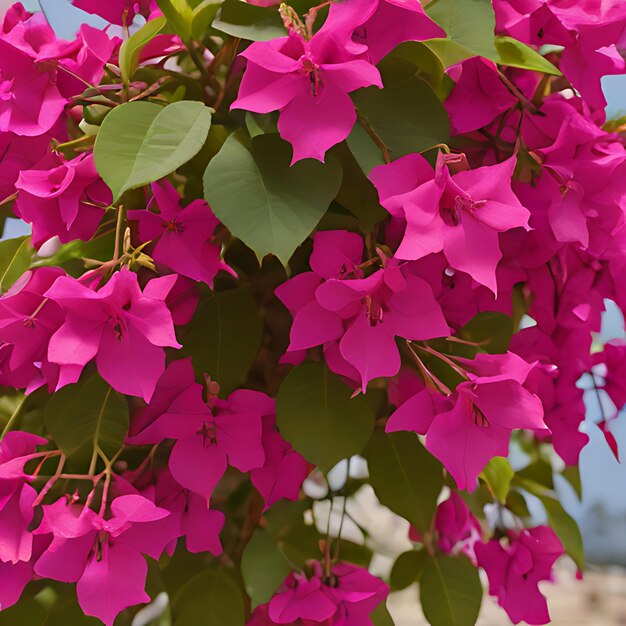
(450, 591)
(317, 415)
(277, 205)
(405, 477)
(407, 116)
(224, 337)
(407, 569)
(209, 599)
(381, 617)
(263, 567)
(87, 414)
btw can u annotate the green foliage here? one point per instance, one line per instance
(406, 116)
(469, 26)
(224, 337)
(15, 258)
(563, 524)
(85, 416)
(208, 599)
(131, 48)
(263, 567)
(405, 477)
(278, 205)
(498, 475)
(317, 415)
(450, 591)
(249, 21)
(516, 54)
(140, 142)
(407, 569)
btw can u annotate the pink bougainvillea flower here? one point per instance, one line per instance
(345, 598)
(30, 101)
(515, 570)
(308, 81)
(120, 12)
(459, 213)
(101, 555)
(120, 326)
(190, 516)
(65, 198)
(478, 96)
(284, 470)
(375, 27)
(457, 529)
(208, 439)
(17, 154)
(363, 314)
(27, 321)
(16, 496)
(183, 236)
(590, 32)
(474, 424)
(79, 62)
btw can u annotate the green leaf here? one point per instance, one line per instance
(405, 477)
(140, 142)
(15, 258)
(498, 475)
(517, 54)
(563, 524)
(317, 415)
(277, 205)
(210, 599)
(407, 117)
(224, 337)
(380, 616)
(131, 48)
(85, 415)
(450, 591)
(407, 569)
(179, 14)
(27, 612)
(571, 473)
(263, 567)
(357, 193)
(491, 330)
(469, 25)
(248, 21)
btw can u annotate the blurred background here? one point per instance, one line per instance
(600, 598)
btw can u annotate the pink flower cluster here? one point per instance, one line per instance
(524, 214)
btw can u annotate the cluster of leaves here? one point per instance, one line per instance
(223, 296)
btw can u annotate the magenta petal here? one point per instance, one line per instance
(313, 124)
(197, 467)
(473, 248)
(521, 409)
(13, 580)
(416, 414)
(113, 583)
(314, 326)
(131, 365)
(202, 527)
(65, 559)
(370, 349)
(464, 445)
